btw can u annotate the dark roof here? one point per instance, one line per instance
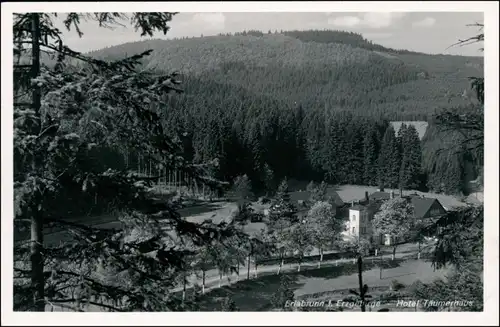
(336, 198)
(379, 196)
(300, 195)
(305, 196)
(422, 205)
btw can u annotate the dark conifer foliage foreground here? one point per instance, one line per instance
(74, 116)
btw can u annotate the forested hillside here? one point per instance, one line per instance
(345, 73)
(310, 104)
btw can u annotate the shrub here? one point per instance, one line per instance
(228, 305)
(396, 285)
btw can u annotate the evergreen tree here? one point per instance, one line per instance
(281, 207)
(354, 150)
(452, 174)
(71, 121)
(411, 163)
(370, 151)
(269, 182)
(311, 187)
(319, 193)
(283, 195)
(283, 295)
(401, 135)
(228, 305)
(389, 160)
(242, 189)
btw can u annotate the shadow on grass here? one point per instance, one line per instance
(349, 268)
(199, 209)
(248, 295)
(256, 294)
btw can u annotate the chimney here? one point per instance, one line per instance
(367, 199)
(392, 194)
(352, 203)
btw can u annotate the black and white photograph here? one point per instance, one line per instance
(216, 159)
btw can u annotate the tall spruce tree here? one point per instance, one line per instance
(72, 112)
(411, 162)
(371, 150)
(355, 152)
(389, 160)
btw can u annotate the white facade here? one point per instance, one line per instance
(358, 225)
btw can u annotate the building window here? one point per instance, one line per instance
(353, 217)
(354, 230)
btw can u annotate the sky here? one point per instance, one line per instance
(428, 32)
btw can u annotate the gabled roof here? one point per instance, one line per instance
(336, 198)
(422, 205)
(305, 196)
(299, 195)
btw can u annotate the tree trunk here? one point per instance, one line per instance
(175, 180)
(37, 278)
(361, 288)
(376, 252)
(300, 263)
(220, 279)
(320, 257)
(255, 268)
(36, 257)
(203, 281)
(184, 284)
(419, 250)
(394, 252)
(138, 164)
(282, 262)
(238, 271)
(381, 267)
(248, 267)
(158, 171)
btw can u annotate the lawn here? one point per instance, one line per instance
(330, 282)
